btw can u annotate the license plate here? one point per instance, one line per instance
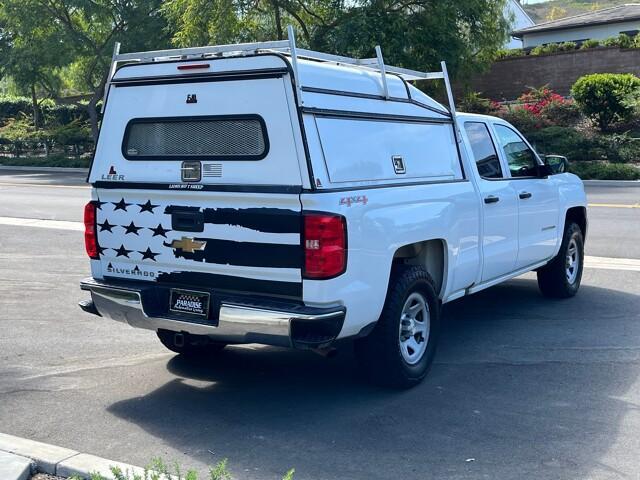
(188, 301)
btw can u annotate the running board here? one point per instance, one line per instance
(495, 281)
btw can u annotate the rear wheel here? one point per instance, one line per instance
(401, 347)
(561, 277)
(189, 345)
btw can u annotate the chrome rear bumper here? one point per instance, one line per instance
(236, 322)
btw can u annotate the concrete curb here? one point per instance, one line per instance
(612, 183)
(14, 467)
(45, 169)
(54, 460)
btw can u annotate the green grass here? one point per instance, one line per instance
(50, 161)
(159, 470)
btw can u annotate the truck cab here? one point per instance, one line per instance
(266, 194)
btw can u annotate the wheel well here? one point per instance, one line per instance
(429, 254)
(579, 216)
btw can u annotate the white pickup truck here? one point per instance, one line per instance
(267, 194)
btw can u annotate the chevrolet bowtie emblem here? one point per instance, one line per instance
(188, 245)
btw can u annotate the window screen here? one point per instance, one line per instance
(181, 138)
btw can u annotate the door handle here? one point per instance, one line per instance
(524, 195)
(491, 199)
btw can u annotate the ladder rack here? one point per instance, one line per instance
(287, 47)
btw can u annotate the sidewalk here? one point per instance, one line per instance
(20, 458)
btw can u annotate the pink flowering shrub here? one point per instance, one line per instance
(536, 99)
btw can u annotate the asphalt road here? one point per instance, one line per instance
(522, 387)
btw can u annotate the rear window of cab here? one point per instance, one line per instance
(221, 137)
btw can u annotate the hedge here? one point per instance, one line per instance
(13, 107)
(604, 171)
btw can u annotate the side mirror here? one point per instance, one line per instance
(555, 164)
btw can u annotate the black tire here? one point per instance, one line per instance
(553, 279)
(189, 345)
(380, 353)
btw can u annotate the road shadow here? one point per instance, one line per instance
(521, 387)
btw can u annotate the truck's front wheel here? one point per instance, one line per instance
(561, 277)
(401, 347)
(189, 345)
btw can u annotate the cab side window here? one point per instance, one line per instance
(522, 161)
(484, 152)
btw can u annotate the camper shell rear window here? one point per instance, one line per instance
(211, 137)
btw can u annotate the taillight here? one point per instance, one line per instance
(90, 234)
(325, 245)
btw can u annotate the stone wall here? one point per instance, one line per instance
(508, 78)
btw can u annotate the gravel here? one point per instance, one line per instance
(46, 476)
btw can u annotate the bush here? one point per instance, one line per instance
(53, 113)
(561, 113)
(510, 53)
(18, 136)
(623, 41)
(567, 46)
(50, 161)
(474, 102)
(548, 48)
(565, 141)
(63, 114)
(604, 97)
(619, 148)
(538, 98)
(545, 49)
(12, 107)
(76, 133)
(523, 119)
(591, 43)
(576, 146)
(604, 171)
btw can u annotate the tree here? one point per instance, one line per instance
(556, 13)
(420, 33)
(413, 33)
(29, 54)
(87, 31)
(211, 22)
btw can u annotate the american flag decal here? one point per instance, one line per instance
(254, 247)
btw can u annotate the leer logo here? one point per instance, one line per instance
(112, 175)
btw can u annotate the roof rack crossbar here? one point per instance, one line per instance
(159, 55)
(287, 47)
